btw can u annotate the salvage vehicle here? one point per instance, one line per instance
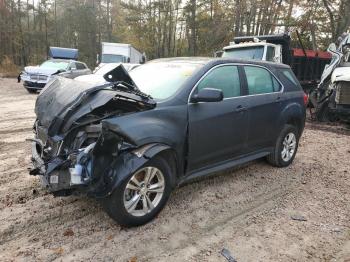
(332, 97)
(130, 142)
(97, 76)
(62, 62)
(307, 65)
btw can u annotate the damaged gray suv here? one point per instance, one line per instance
(131, 141)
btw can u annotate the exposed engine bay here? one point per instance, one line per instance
(332, 96)
(69, 133)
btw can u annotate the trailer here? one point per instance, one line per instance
(307, 65)
(120, 53)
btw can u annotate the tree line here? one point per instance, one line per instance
(160, 28)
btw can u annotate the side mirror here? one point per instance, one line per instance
(218, 53)
(208, 95)
(97, 59)
(143, 59)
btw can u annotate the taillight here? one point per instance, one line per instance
(306, 99)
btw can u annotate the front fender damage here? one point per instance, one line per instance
(114, 159)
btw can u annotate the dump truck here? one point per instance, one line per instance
(307, 65)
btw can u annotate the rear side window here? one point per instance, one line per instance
(260, 81)
(80, 66)
(225, 78)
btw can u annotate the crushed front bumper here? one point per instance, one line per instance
(38, 165)
(54, 175)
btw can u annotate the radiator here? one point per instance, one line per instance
(343, 93)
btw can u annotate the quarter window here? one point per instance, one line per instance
(225, 78)
(290, 76)
(260, 81)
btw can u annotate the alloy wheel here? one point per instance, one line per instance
(144, 191)
(289, 146)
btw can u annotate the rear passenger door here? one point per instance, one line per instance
(264, 105)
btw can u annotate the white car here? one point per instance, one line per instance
(100, 71)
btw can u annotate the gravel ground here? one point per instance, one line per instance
(248, 210)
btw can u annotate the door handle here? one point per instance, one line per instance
(240, 108)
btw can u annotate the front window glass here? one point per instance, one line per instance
(55, 64)
(108, 58)
(260, 81)
(161, 80)
(249, 52)
(225, 78)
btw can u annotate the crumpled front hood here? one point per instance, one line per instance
(57, 94)
(37, 70)
(63, 101)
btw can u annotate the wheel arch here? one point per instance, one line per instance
(129, 162)
(295, 115)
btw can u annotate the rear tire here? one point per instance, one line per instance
(31, 91)
(118, 204)
(286, 147)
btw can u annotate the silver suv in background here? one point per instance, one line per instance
(62, 63)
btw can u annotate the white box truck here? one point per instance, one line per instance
(120, 53)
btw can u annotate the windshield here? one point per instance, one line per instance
(108, 58)
(104, 69)
(252, 52)
(55, 64)
(161, 80)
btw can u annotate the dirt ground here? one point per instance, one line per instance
(248, 210)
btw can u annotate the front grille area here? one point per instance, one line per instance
(343, 93)
(38, 77)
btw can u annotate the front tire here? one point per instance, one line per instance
(142, 195)
(286, 147)
(31, 91)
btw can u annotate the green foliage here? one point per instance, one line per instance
(160, 28)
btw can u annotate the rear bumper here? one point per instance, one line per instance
(342, 111)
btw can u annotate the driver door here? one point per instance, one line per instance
(218, 130)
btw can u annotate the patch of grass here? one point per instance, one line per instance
(8, 68)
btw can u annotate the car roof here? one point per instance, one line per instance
(215, 61)
(64, 60)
